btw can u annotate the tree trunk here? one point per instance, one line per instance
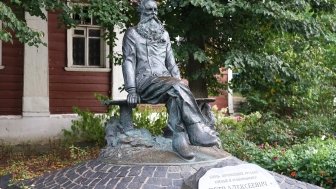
(197, 86)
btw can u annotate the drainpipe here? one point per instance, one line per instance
(230, 93)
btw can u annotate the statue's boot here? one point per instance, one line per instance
(201, 135)
(181, 146)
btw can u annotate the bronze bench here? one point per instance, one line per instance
(126, 111)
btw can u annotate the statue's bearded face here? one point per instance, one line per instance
(149, 9)
(150, 26)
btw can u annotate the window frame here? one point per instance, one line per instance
(1, 66)
(104, 52)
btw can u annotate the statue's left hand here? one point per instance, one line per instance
(132, 99)
(184, 81)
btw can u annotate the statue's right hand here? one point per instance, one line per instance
(132, 99)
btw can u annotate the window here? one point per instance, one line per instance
(1, 66)
(87, 50)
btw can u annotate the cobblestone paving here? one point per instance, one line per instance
(98, 174)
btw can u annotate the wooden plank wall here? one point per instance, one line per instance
(11, 78)
(69, 89)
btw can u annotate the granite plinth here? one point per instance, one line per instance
(154, 156)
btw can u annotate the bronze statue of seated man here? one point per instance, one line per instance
(152, 76)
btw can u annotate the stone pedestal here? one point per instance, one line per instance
(138, 160)
(146, 170)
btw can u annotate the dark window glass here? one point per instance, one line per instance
(79, 32)
(94, 52)
(78, 49)
(94, 33)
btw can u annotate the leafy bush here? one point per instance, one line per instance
(153, 121)
(295, 76)
(257, 128)
(233, 133)
(270, 129)
(77, 153)
(313, 161)
(304, 149)
(314, 125)
(89, 128)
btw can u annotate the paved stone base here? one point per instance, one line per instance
(126, 155)
(99, 174)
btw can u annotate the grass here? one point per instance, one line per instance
(30, 161)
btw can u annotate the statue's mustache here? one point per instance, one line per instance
(146, 19)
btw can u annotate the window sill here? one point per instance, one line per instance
(86, 69)
(2, 67)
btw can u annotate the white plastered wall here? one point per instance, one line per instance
(36, 74)
(117, 76)
(36, 130)
(36, 125)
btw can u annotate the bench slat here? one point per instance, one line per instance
(124, 102)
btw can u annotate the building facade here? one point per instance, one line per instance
(40, 86)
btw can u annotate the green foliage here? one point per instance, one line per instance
(257, 128)
(88, 127)
(13, 20)
(77, 153)
(233, 133)
(275, 132)
(281, 50)
(108, 13)
(154, 121)
(313, 161)
(314, 125)
(304, 83)
(263, 80)
(300, 148)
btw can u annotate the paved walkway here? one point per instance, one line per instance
(99, 174)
